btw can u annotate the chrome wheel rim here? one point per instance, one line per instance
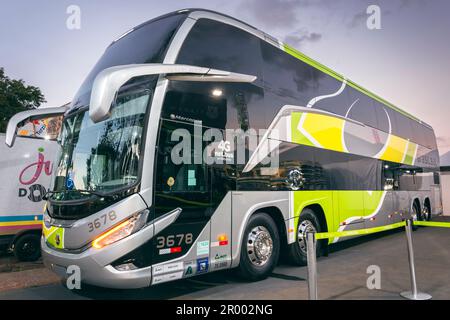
(259, 246)
(304, 227)
(425, 214)
(415, 214)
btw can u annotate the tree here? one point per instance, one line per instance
(16, 96)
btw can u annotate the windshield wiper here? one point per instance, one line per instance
(92, 192)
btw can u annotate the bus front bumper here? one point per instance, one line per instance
(95, 264)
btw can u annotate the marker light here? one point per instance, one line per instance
(121, 231)
(217, 92)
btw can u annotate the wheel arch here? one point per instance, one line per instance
(320, 214)
(275, 210)
(277, 216)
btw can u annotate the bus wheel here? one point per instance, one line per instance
(308, 222)
(426, 216)
(27, 247)
(416, 216)
(260, 248)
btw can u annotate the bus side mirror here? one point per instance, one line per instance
(42, 123)
(110, 80)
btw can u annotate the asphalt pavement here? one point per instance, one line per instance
(341, 275)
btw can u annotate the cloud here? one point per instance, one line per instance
(301, 36)
(408, 3)
(357, 19)
(276, 13)
(443, 141)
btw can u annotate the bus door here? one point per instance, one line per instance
(183, 180)
(436, 201)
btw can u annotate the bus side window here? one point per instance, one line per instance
(363, 108)
(436, 178)
(389, 176)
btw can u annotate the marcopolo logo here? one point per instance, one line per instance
(30, 175)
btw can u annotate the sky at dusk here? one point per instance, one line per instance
(407, 62)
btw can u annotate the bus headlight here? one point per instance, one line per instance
(122, 230)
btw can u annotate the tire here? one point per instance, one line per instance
(27, 247)
(297, 250)
(426, 213)
(416, 215)
(258, 264)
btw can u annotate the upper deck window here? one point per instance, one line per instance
(221, 46)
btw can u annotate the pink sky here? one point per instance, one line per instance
(406, 62)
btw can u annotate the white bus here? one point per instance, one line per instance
(25, 172)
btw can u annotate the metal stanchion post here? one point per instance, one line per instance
(413, 294)
(312, 265)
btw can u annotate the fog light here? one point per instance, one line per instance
(126, 267)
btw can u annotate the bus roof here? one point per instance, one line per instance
(197, 13)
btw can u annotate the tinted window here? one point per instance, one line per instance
(294, 82)
(325, 85)
(407, 128)
(423, 135)
(418, 133)
(404, 126)
(381, 116)
(436, 178)
(146, 44)
(219, 105)
(285, 75)
(430, 139)
(363, 109)
(393, 121)
(218, 45)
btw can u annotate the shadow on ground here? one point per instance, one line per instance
(184, 287)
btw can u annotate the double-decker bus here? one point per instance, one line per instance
(136, 199)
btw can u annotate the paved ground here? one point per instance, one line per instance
(15, 274)
(342, 275)
(8, 263)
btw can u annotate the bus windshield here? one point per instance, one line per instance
(145, 44)
(99, 158)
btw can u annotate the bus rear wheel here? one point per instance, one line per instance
(416, 215)
(297, 251)
(426, 213)
(260, 248)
